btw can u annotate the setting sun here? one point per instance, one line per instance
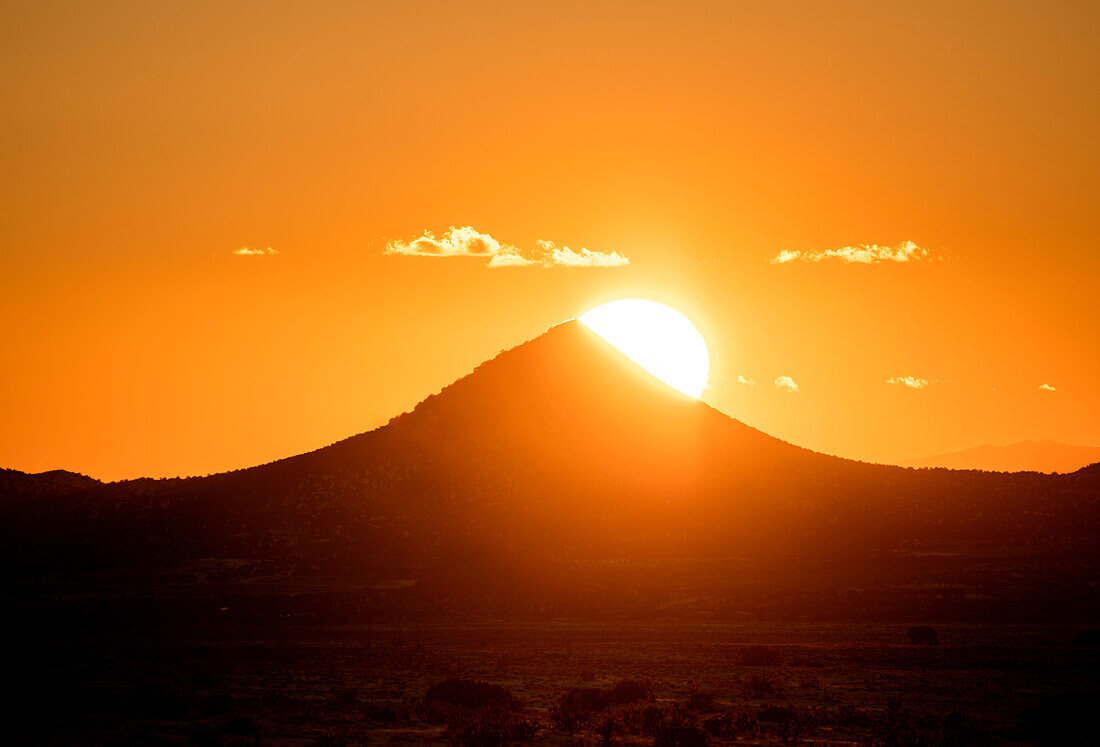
(658, 338)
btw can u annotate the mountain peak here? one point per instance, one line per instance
(568, 397)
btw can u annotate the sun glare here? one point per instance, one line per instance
(658, 338)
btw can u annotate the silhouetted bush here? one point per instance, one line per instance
(761, 685)
(1088, 639)
(773, 714)
(701, 701)
(846, 716)
(641, 718)
(758, 656)
(385, 712)
(1067, 718)
(489, 726)
(789, 724)
(470, 694)
(217, 704)
(607, 727)
(204, 736)
(345, 696)
(677, 728)
(576, 705)
(240, 727)
(586, 699)
(731, 724)
(153, 699)
(922, 635)
(630, 691)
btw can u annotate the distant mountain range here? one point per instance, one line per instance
(556, 479)
(1034, 456)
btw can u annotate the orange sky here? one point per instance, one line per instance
(142, 143)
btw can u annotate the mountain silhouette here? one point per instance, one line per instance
(561, 478)
(1036, 456)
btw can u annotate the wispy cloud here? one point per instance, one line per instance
(469, 242)
(786, 384)
(246, 251)
(566, 257)
(867, 254)
(747, 382)
(1047, 388)
(913, 382)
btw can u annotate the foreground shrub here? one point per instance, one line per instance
(731, 724)
(904, 730)
(242, 727)
(758, 656)
(470, 694)
(789, 724)
(641, 718)
(677, 728)
(701, 701)
(625, 692)
(761, 685)
(1088, 639)
(922, 635)
(1066, 718)
(577, 704)
(489, 726)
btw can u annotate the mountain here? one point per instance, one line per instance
(1034, 456)
(54, 482)
(560, 478)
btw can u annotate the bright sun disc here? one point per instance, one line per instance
(658, 338)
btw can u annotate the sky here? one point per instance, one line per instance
(882, 216)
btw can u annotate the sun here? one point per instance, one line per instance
(658, 338)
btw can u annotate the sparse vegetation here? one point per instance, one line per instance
(1088, 639)
(470, 694)
(759, 656)
(490, 726)
(240, 694)
(761, 685)
(922, 635)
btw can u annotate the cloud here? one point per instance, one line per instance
(1047, 388)
(457, 242)
(867, 254)
(245, 251)
(786, 384)
(566, 257)
(747, 382)
(469, 242)
(913, 382)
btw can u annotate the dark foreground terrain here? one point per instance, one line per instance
(657, 682)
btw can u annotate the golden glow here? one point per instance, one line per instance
(658, 338)
(728, 150)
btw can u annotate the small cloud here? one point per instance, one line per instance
(747, 382)
(469, 242)
(786, 384)
(457, 242)
(913, 382)
(245, 251)
(566, 257)
(867, 254)
(510, 259)
(1047, 388)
